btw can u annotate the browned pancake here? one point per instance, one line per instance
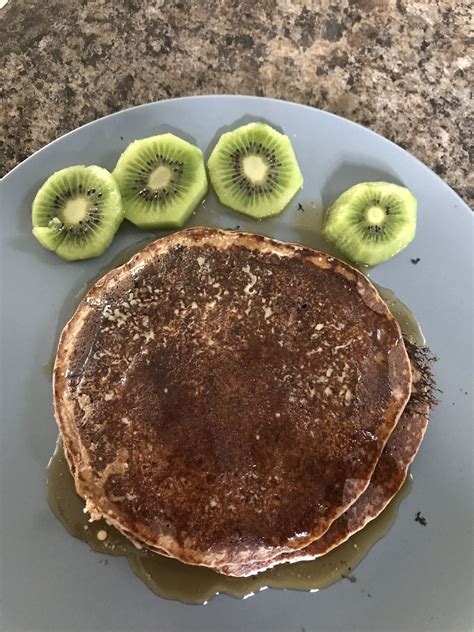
(387, 479)
(224, 397)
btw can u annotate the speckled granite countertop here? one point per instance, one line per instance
(400, 67)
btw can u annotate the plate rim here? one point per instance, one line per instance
(226, 96)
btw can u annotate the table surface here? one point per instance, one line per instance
(400, 67)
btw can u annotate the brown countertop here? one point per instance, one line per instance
(399, 67)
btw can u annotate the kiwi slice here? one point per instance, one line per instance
(253, 170)
(162, 179)
(372, 221)
(77, 212)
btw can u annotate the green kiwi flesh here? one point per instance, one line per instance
(253, 170)
(162, 179)
(77, 212)
(371, 222)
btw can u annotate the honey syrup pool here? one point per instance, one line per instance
(172, 579)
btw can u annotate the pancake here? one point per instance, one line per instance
(224, 397)
(386, 481)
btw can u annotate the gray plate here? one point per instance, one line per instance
(419, 578)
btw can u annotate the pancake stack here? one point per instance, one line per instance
(237, 402)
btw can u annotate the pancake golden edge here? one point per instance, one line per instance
(78, 458)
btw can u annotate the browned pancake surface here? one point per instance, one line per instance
(224, 397)
(387, 479)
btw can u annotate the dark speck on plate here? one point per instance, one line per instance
(421, 519)
(300, 207)
(351, 578)
(415, 261)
